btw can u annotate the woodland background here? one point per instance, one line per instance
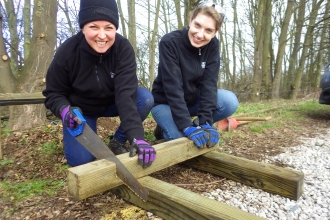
(269, 49)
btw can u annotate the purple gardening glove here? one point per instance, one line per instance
(69, 118)
(146, 153)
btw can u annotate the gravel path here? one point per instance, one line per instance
(313, 159)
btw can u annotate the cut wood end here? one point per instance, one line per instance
(4, 57)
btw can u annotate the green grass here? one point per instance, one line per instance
(18, 191)
(281, 112)
(63, 168)
(262, 126)
(149, 135)
(5, 132)
(50, 148)
(5, 161)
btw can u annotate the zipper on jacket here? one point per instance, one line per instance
(200, 51)
(100, 59)
(98, 80)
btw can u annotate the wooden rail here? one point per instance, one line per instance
(84, 181)
(172, 202)
(21, 98)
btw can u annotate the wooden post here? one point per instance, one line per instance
(270, 178)
(253, 118)
(172, 202)
(100, 175)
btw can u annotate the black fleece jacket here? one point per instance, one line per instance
(184, 73)
(80, 77)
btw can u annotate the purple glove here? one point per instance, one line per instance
(146, 153)
(69, 118)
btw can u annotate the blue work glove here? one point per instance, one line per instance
(69, 118)
(214, 135)
(146, 153)
(197, 135)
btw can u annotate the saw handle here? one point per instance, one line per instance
(81, 121)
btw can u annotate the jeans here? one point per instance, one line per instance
(227, 104)
(76, 154)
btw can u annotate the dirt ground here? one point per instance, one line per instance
(30, 162)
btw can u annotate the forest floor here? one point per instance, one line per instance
(36, 156)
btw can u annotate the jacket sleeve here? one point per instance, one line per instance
(172, 80)
(126, 84)
(58, 85)
(208, 84)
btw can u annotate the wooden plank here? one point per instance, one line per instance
(270, 178)
(21, 98)
(98, 176)
(253, 118)
(172, 202)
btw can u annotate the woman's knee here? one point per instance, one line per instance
(144, 98)
(227, 99)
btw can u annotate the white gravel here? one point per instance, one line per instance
(313, 159)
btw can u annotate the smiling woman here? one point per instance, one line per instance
(186, 84)
(94, 73)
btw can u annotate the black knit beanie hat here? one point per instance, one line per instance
(92, 10)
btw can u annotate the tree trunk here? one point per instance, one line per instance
(122, 19)
(7, 82)
(307, 43)
(152, 49)
(281, 49)
(296, 48)
(12, 23)
(27, 29)
(258, 47)
(320, 52)
(233, 81)
(267, 45)
(132, 24)
(41, 53)
(189, 5)
(178, 13)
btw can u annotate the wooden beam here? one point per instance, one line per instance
(172, 202)
(98, 176)
(253, 118)
(270, 178)
(21, 98)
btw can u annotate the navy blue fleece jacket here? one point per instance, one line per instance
(80, 77)
(185, 72)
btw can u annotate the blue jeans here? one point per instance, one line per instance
(227, 104)
(76, 154)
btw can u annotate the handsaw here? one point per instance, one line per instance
(90, 140)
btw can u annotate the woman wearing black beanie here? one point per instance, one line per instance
(95, 72)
